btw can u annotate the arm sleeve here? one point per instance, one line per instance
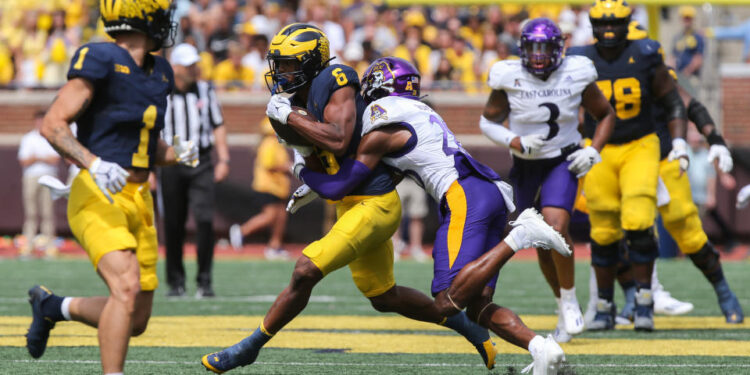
(91, 63)
(496, 132)
(334, 187)
(214, 109)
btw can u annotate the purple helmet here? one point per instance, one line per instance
(541, 47)
(390, 76)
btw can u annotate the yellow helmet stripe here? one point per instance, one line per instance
(610, 9)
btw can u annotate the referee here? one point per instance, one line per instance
(193, 113)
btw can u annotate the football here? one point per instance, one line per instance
(287, 133)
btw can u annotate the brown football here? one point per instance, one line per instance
(287, 133)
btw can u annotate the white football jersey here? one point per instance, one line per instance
(544, 107)
(431, 159)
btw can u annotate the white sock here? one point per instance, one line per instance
(655, 285)
(515, 238)
(66, 307)
(536, 344)
(568, 295)
(593, 287)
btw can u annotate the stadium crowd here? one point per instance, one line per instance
(453, 47)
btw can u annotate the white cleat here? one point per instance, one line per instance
(559, 334)
(665, 304)
(547, 359)
(235, 237)
(538, 233)
(572, 317)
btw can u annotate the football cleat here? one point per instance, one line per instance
(665, 304)
(572, 317)
(36, 337)
(605, 316)
(235, 237)
(732, 310)
(547, 361)
(643, 317)
(538, 233)
(559, 334)
(223, 361)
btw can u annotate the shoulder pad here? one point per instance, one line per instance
(582, 67)
(92, 61)
(388, 110)
(500, 74)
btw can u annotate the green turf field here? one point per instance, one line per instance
(339, 333)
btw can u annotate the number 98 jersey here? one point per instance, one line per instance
(626, 82)
(544, 107)
(126, 114)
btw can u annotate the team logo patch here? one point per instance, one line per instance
(122, 69)
(378, 113)
(517, 83)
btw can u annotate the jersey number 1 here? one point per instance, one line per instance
(140, 158)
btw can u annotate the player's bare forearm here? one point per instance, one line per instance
(70, 103)
(327, 136)
(598, 106)
(497, 107)
(165, 154)
(386, 140)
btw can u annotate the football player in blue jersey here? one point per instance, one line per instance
(621, 190)
(117, 94)
(367, 217)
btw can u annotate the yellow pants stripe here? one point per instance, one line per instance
(456, 199)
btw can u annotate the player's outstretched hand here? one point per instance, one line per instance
(532, 143)
(582, 160)
(109, 177)
(301, 197)
(186, 152)
(743, 197)
(679, 152)
(721, 153)
(279, 108)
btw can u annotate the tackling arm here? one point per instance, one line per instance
(340, 116)
(71, 101)
(352, 172)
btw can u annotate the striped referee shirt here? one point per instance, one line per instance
(193, 115)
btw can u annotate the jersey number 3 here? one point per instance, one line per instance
(140, 158)
(627, 92)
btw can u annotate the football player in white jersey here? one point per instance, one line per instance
(541, 95)
(410, 137)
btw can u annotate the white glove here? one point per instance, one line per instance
(679, 151)
(299, 162)
(109, 177)
(532, 143)
(56, 188)
(279, 108)
(186, 151)
(743, 197)
(582, 160)
(722, 153)
(301, 197)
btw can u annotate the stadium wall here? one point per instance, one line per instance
(243, 112)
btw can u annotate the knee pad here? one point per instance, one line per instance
(642, 245)
(605, 255)
(707, 258)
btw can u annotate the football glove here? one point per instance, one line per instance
(299, 162)
(679, 151)
(582, 160)
(109, 177)
(186, 151)
(279, 108)
(743, 197)
(532, 143)
(722, 153)
(301, 197)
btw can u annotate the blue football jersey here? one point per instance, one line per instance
(126, 114)
(322, 87)
(626, 82)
